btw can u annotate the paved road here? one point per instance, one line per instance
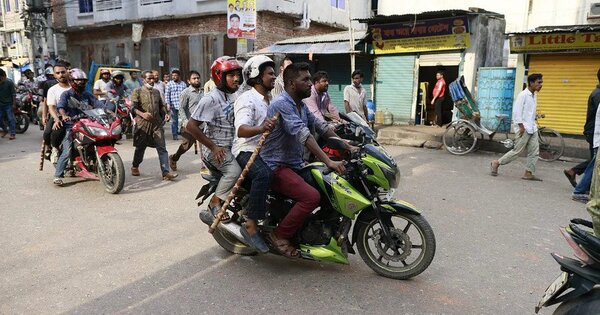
(78, 250)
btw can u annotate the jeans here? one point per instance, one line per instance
(522, 142)
(586, 180)
(261, 175)
(580, 168)
(64, 155)
(229, 168)
(175, 122)
(291, 184)
(163, 156)
(7, 110)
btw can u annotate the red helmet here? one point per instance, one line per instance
(221, 67)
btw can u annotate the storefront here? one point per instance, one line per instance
(569, 60)
(410, 49)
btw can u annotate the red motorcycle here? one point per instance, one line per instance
(123, 110)
(93, 154)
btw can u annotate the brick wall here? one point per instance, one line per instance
(59, 18)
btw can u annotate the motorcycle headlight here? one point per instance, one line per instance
(117, 130)
(98, 131)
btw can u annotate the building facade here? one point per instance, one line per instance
(13, 40)
(185, 34)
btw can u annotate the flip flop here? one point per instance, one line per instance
(256, 241)
(283, 246)
(534, 178)
(493, 172)
(225, 218)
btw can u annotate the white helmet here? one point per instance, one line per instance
(253, 66)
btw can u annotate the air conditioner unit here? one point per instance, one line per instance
(594, 12)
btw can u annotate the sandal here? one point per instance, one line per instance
(283, 246)
(534, 178)
(225, 218)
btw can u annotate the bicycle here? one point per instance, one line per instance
(461, 138)
(461, 135)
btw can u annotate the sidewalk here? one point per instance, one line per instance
(431, 137)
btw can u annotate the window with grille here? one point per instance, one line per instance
(340, 4)
(106, 5)
(86, 6)
(149, 2)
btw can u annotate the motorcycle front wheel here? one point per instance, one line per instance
(113, 176)
(409, 252)
(21, 122)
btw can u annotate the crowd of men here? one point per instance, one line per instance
(227, 116)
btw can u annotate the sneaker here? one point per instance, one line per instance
(12, 137)
(54, 156)
(58, 181)
(172, 163)
(135, 171)
(3, 134)
(170, 176)
(256, 241)
(583, 198)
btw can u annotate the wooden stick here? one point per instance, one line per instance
(42, 153)
(196, 147)
(240, 180)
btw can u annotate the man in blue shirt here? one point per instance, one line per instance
(284, 150)
(71, 103)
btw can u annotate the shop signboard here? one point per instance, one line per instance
(241, 19)
(541, 42)
(426, 35)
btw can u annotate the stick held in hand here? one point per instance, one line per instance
(240, 180)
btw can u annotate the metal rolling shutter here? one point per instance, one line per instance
(394, 86)
(440, 59)
(568, 81)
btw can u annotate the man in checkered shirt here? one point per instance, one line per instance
(172, 95)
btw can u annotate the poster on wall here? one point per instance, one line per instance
(425, 35)
(241, 19)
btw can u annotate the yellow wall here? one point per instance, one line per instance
(568, 81)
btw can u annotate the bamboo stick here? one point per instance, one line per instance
(240, 180)
(42, 153)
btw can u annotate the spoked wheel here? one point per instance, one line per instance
(552, 145)
(113, 177)
(230, 243)
(409, 253)
(460, 138)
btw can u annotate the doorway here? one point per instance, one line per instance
(427, 82)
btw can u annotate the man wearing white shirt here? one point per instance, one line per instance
(251, 122)
(524, 125)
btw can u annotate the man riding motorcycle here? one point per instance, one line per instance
(283, 153)
(215, 110)
(72, 102)
(251, 122)
(116, 89)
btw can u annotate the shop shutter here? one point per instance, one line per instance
(568, 81)
(440, 59)
(394, 86)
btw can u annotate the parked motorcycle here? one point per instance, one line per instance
(21, 120)
(392, 236)
(575, 286)
(123, 110)
(93, 154)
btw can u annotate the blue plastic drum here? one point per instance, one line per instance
(371, 110)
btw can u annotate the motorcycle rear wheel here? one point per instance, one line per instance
(114, 173)
(232, 244)
(379, 256)
(21, 122)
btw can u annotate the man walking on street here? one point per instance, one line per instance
(439, 91)
(151, 114)
(172, 96)
(8, 102)
(355, 96)
(159, 85)
(189, 100)
(588, 132)
(524, 125)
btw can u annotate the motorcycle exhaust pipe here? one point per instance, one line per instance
(231, 227)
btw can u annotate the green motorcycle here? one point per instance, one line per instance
(391, 236)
